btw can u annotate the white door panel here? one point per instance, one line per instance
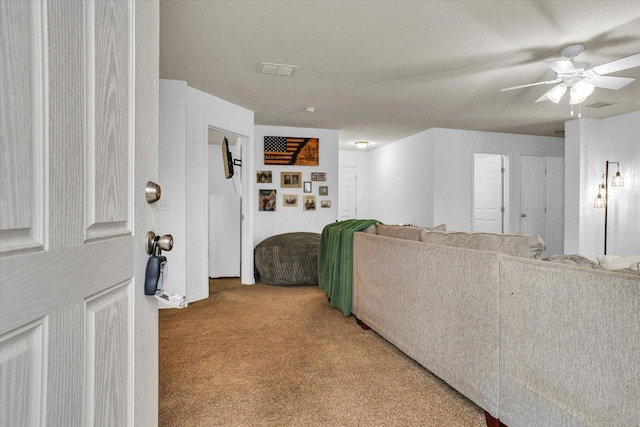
(533, 195)
(488, 197)
(70, 265)
(22, 107)
(347, 195)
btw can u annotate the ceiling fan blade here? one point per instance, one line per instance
(562, 66)
(610, 82)
(548, 82)
(618, 65)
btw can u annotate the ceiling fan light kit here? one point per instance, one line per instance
(556, 93)
(580, 91)
(580, 78)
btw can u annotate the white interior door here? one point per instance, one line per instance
(347, 202)
(78, 339)
(488, 206)
(533, 194)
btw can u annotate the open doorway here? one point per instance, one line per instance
(224, 206)
(488, 192)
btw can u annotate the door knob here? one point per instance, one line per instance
(154, 243)
(523, 215)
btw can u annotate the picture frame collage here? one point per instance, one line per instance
(292, 182)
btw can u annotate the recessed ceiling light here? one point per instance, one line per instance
(277, 69)
(310, 109)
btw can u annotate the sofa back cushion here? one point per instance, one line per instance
(406, 232)
(520, 245)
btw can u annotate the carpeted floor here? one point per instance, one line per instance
(280, 356)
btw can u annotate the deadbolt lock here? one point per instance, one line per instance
(152, 192)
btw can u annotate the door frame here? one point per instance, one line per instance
(246, 196)
(145, 124)
(241, 141)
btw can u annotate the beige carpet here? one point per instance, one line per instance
(280, 356)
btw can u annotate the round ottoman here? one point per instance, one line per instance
(288, 259)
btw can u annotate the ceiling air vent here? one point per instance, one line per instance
(277, 69)
(601, 104)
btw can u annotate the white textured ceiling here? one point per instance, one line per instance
(384, 70)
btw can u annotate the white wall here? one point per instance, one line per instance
(172, 179)
(555, 205)
(426, 179)
(203, 112)
(360, 161)
(590, 143)
(401, 181)
(185, 117)
(453, 178)
(290, 219)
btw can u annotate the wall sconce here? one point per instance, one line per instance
(603, 202)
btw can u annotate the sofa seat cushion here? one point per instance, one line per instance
(520, 245)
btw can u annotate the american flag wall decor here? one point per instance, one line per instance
(286, 150)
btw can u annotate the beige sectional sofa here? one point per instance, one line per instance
(532, 342)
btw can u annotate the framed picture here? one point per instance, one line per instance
(290, 200)
(267, 200)
(318, 176)
(290, 179)
(323, 190)
(309, 203)
(307, 187)
(264, 177)
(287, 150)
(325, 203)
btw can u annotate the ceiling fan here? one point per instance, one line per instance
(580, 79)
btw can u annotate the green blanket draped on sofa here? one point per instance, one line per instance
(335, 260)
